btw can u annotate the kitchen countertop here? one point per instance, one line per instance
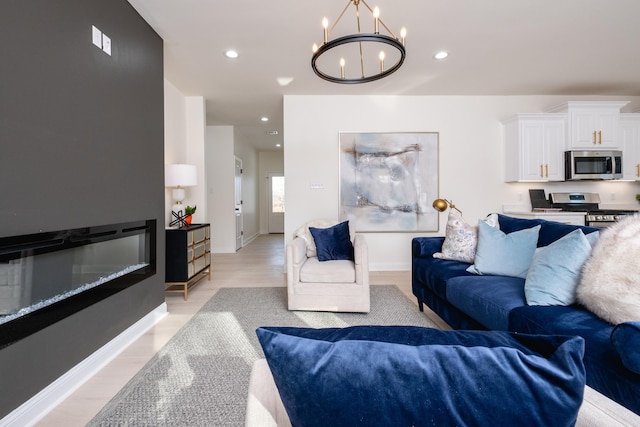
(542, 213)
(566, 217)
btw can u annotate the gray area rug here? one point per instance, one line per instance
(201, 376)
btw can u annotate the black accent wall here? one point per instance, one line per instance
(81, 143)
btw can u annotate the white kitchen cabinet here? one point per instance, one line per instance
(592, 124)
(629, 131)
(534, 147)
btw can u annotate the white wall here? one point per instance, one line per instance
(184, 137)
(220, 166)
(250, 212)
(470, 156)
(196, 127)
(175, 135)
(269, 161)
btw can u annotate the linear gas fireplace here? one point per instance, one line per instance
(46, 277)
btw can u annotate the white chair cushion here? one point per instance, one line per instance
(338, 271)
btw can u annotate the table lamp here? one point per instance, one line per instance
(441, 205)
(178, 176)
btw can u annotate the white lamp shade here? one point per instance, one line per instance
(180, 175)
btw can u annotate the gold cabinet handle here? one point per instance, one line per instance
(594, 138)
(638, 170)
(546, 169)
(600, 137)
(541, 174)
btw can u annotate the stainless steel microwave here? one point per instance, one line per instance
(588, 164)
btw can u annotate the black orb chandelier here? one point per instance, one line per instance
(359, 57)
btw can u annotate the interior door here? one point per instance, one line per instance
(238, 202)
(276, 202)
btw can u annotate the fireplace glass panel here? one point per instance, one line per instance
(32, 282)
(46, 276)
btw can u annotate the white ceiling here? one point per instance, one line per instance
(497, 47)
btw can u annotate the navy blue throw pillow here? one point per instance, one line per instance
(333, 243)
(413, 376)
(625, 338)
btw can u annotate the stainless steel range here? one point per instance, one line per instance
(589, 203)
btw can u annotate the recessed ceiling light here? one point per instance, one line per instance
(278, 145)
(265, 119)
(441, 55)
(231, 54)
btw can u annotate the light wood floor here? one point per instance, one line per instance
(260, 263)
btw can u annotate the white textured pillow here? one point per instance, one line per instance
(461, 239)
(610, 281)
(305, 234)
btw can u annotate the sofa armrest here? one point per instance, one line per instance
(264, 405)
(298, 248)
(425, 247)
(361, 259)
(296, 257)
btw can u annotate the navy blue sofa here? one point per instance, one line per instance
(468, 301)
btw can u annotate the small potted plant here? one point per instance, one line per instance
(188, 211)
(638, 197)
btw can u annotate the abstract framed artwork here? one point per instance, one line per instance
(388, 181)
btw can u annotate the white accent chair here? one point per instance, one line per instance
(338, 286)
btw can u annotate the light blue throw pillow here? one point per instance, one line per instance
(592, 237)
(555, 270)
(503, 254)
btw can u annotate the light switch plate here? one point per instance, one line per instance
(96, 36)
(106, 44)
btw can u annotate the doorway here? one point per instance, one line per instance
(275, 192)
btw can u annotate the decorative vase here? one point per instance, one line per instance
(187, 219)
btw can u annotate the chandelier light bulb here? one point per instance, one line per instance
(342, 68)
(376, 20)
(403, 34)
(325, 25)
(381, 56)
(314, 48)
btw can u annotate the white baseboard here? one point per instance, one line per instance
(249, 239)
(42, 403)
(390, 266)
